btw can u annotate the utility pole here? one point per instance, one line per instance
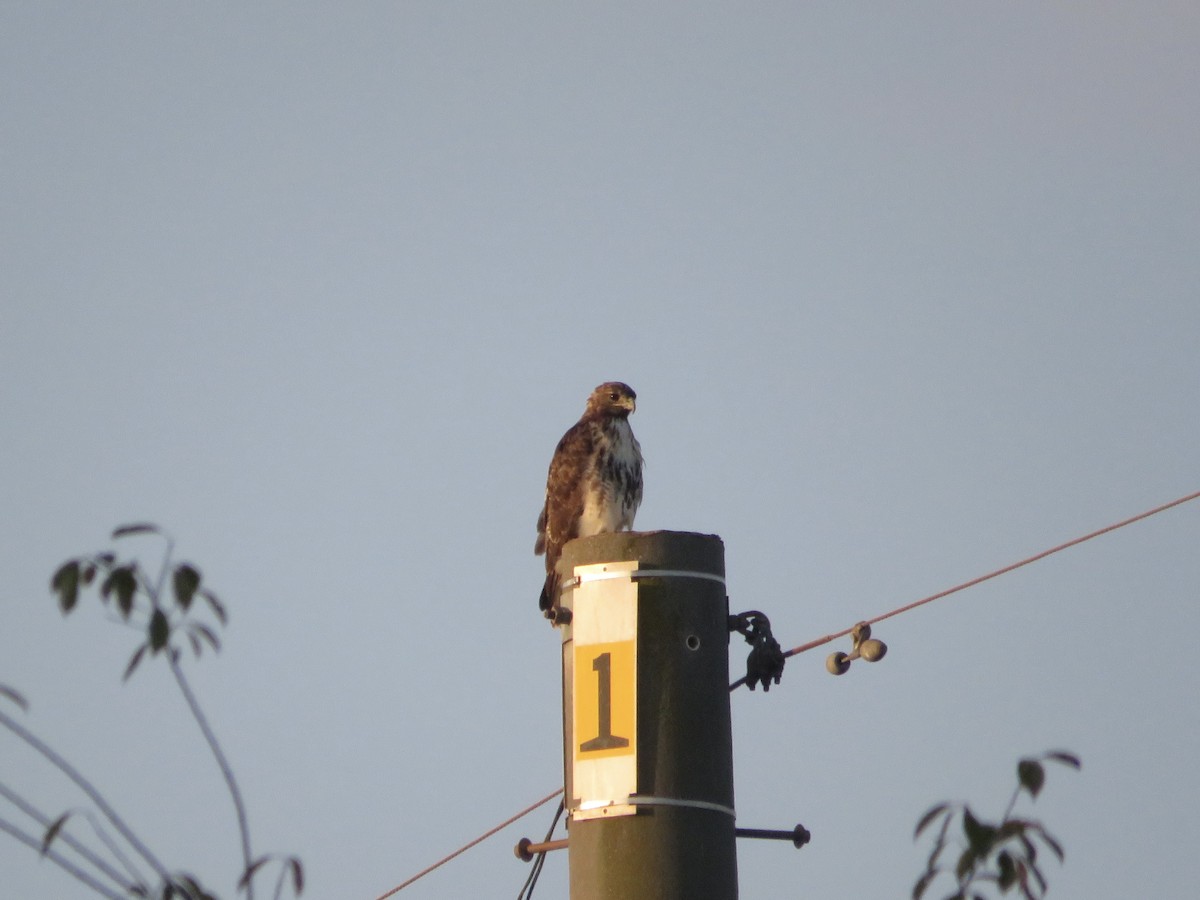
(647, 742)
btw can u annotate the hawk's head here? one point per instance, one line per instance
(613, 398)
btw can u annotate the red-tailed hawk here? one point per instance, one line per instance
(595, 481)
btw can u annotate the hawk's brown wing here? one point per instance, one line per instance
(559, 519)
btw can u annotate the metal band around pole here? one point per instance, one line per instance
(690, 804)
(637, 574)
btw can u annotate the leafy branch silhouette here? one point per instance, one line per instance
(1003, 853)
(186, 616)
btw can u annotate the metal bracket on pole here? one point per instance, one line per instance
(799, 836)
(526, 849)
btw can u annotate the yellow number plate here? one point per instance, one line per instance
(605, 700)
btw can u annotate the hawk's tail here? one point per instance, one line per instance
(548, 601)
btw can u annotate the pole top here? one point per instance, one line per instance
(688, 550)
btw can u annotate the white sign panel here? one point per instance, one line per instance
(604, 690)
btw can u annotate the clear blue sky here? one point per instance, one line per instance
(907, 292)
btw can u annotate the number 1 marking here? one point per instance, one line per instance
(605, 740)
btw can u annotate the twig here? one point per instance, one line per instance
(86, 786)
(78, 846)
(60, 861)
(222, 763)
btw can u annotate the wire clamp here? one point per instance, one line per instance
(765, 663)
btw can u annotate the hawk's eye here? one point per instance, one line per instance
(613, 396)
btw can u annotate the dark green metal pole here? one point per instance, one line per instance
(662, 827)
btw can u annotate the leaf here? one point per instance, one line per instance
(929, 816)
(198, 628)
(1007, 871)
(940, 844)
(1030, 849)
(52, 832)
(1010, 828)
(244, 881)
(1051, 842)
(65, 583)
(16, 698)
(980, 835)
(1037, 873)
(923, 883)
(133, 662)
(186, 581)
(1067, 759)
(966, 862)
(189, 888)
(159, 630)
(1032, 776)
(89, 573)
(297, 868)
(217, 606)
(195, 642)
(123, 582)
(1023, 874)
(137, 528)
